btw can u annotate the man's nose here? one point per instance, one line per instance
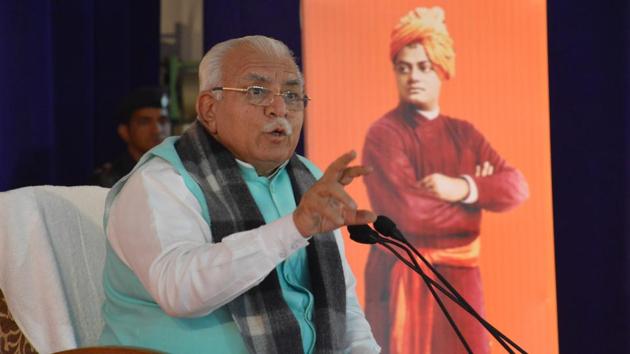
(415, 74)
(158, 127)
(155, 126)
(277, 107)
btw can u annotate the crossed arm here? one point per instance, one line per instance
(437, 204)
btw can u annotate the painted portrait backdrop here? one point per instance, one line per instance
(500, 86)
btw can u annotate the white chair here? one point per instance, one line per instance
(52, 251)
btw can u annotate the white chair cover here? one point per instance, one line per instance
(52, 251)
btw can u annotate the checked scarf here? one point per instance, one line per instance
(265, 321)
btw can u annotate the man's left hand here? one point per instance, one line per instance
(450, 189)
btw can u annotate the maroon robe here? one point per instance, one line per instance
(403, 147)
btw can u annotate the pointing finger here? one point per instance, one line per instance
(351, 173)
(334, 170)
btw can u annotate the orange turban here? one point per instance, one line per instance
(426, 26)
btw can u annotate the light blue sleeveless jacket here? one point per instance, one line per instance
(133, 318)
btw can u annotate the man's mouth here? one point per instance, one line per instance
(416, 89)
(278, 132)
(278, 128)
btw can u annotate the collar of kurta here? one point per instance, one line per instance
(414, 117)
(275, 172)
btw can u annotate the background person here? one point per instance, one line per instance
(143, 123)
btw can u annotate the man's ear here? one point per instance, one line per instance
(123, 132)
(206, 110)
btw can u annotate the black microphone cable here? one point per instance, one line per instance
(365, 234)
(357, 235)
(457, 298)
(387, 227)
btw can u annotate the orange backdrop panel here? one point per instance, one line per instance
(500, 86)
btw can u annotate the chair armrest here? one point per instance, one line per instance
(11, 337)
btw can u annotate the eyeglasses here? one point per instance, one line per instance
(260, 96)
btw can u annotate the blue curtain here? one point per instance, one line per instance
(65, 65)
(590, 115)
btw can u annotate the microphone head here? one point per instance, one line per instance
(387, 227)
(362, 234)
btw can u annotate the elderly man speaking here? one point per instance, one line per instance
(226, 241)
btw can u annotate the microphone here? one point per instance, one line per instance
(363, 234)
(387, 227)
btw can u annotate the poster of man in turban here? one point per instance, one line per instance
(434, 174)
(448, 102)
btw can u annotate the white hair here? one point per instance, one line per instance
(212, 65)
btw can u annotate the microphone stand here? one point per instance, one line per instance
(454, 296)
(365, 234)
(430, 284)
(393, 232)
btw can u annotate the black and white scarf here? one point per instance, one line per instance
(265, 321)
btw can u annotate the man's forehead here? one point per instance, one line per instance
(248, 66)
(283, 77)
(149, 112)
(412, 53)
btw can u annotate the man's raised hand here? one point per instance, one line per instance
(326, 205)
